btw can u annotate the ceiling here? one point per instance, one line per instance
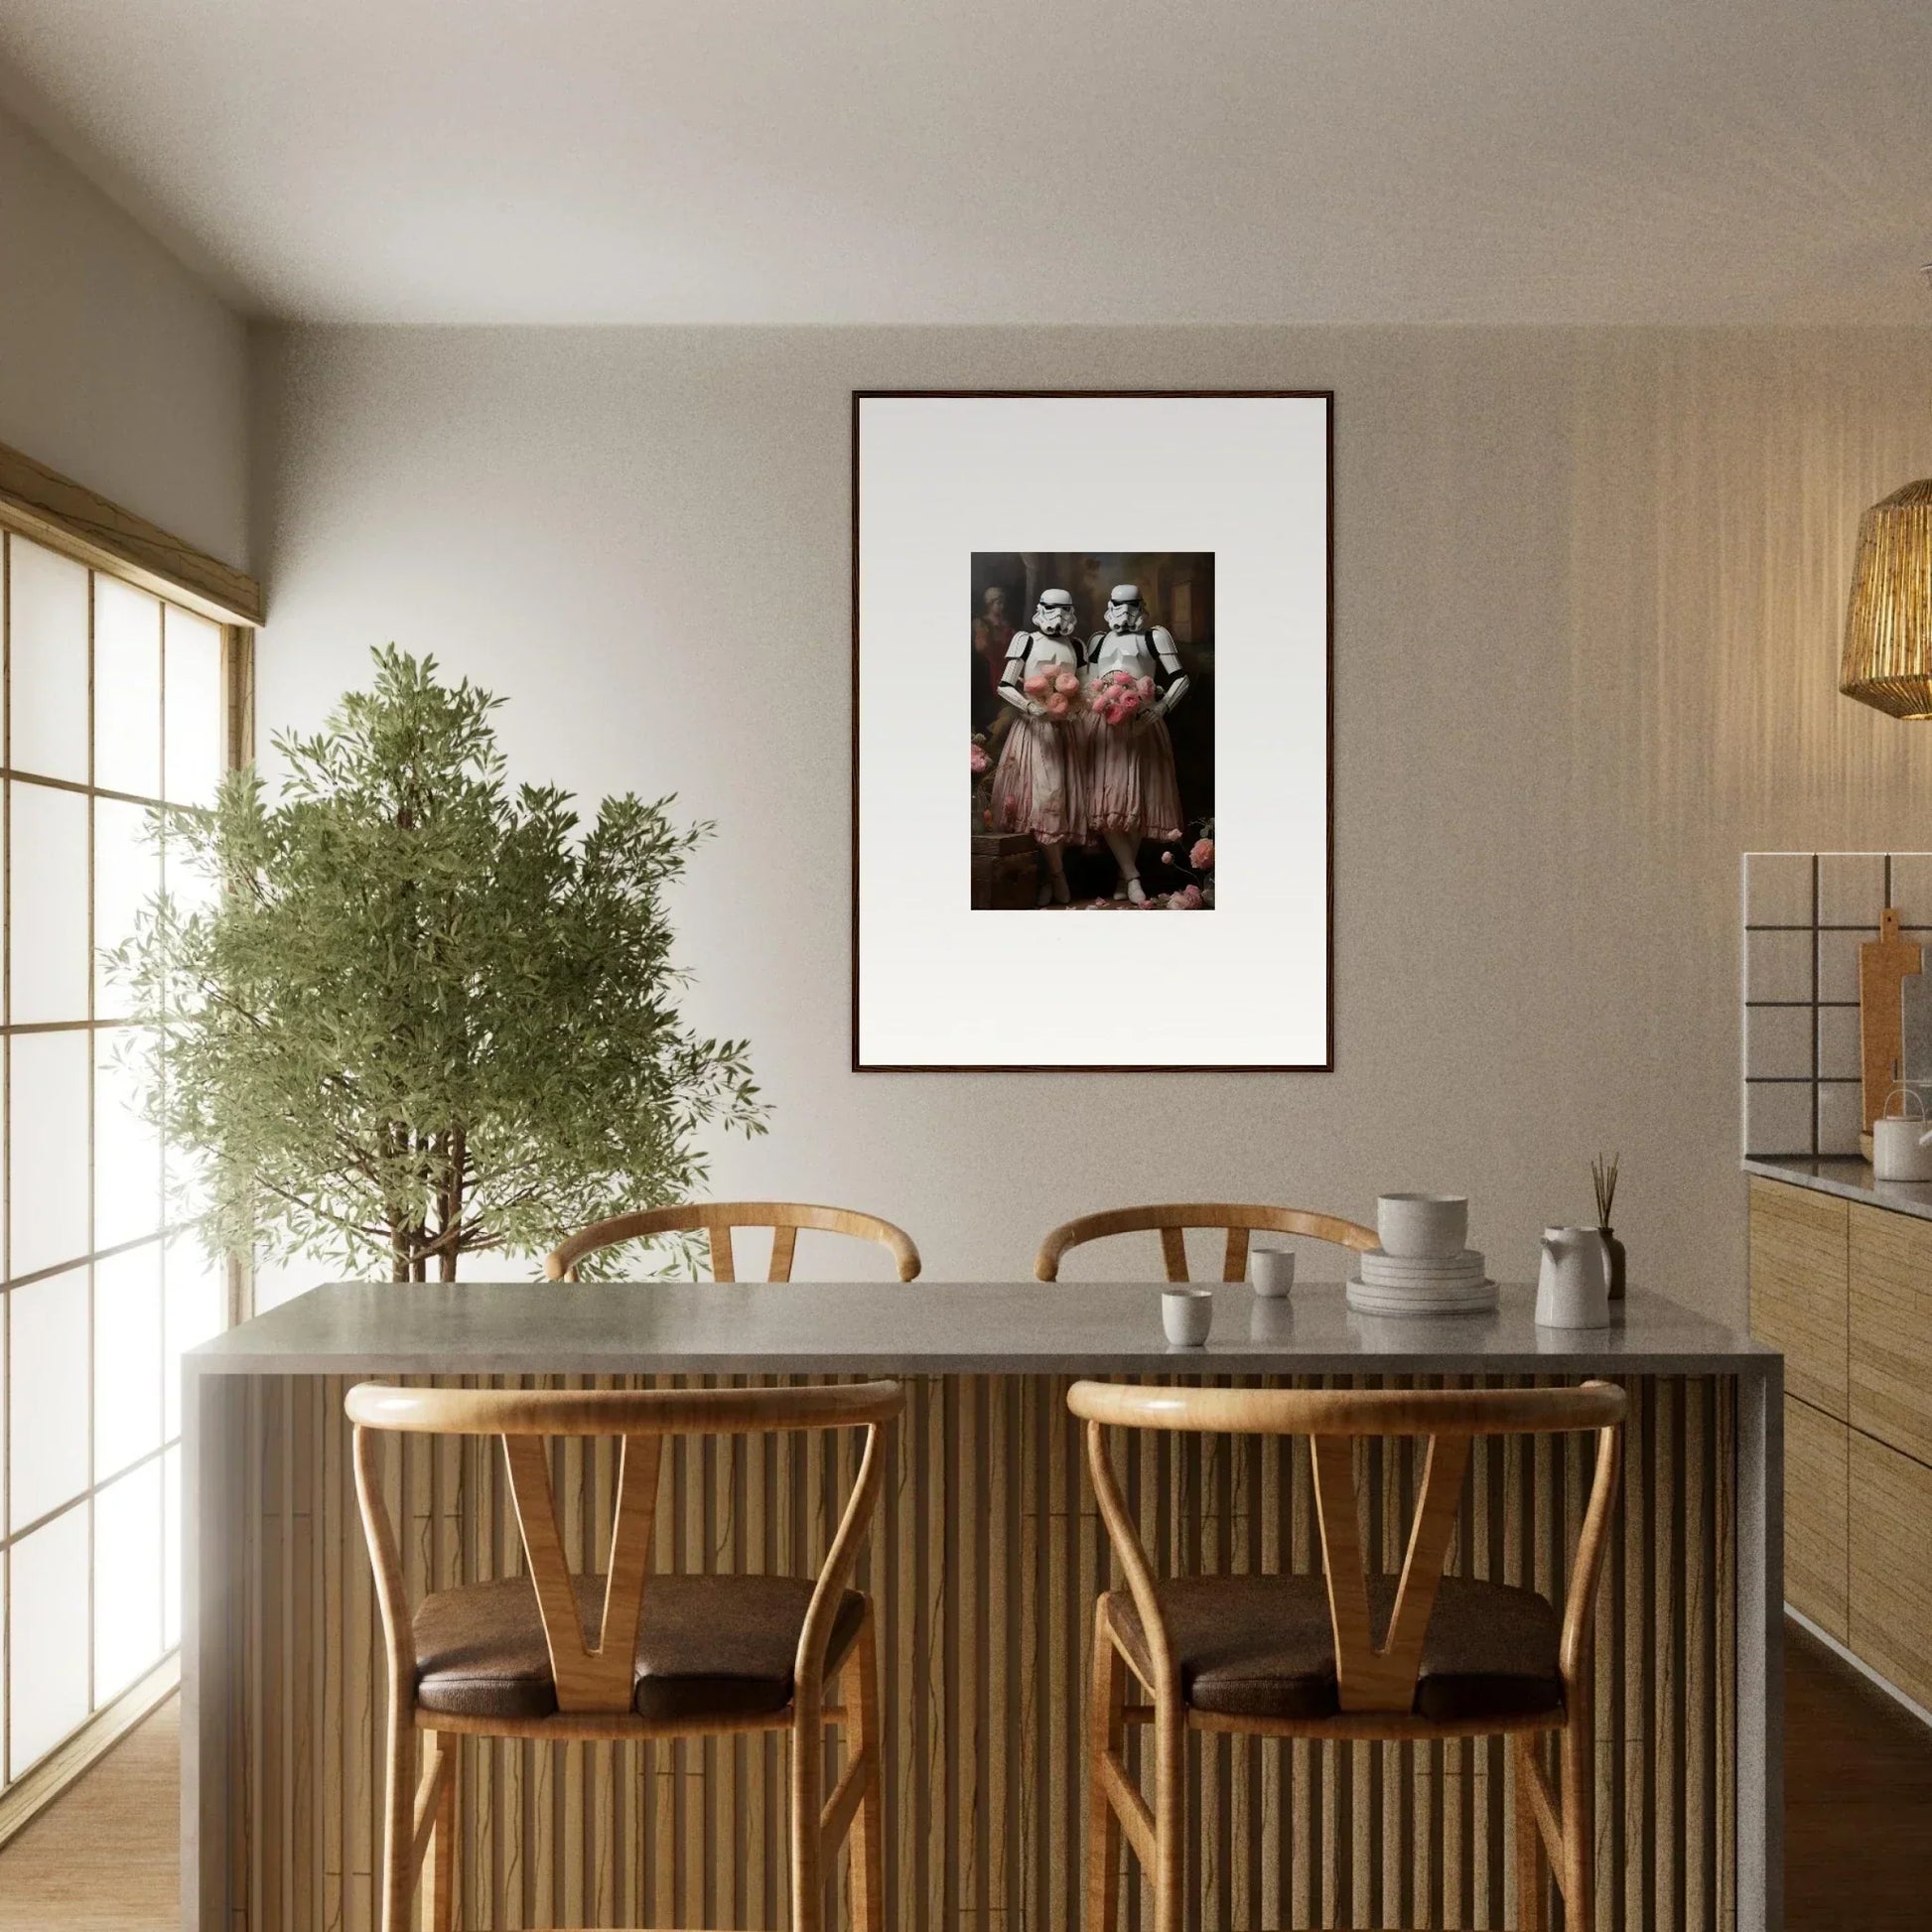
(1009, 161)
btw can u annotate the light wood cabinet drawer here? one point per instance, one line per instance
(1798, 1268)
(1891, 1329)
(1891, 1566)
(1817, 1497)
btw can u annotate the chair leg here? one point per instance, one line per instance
(869, 1828)
(1106, 1735)
(439, 1903)
(1526, 1838)
(807, 1800)
(399, 1822)
(1170, 1812)
(1576, 1753)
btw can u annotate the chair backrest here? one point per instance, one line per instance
(1372, 1675)
(716, 1218)
(596, 1677)
(1174, 1218)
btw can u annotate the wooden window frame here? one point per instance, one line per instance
(47, 508)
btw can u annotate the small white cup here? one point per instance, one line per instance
(1187, 1314)
(1273, 1271)
(1422, 1226)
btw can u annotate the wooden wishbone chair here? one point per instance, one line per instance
(627, 1654)
(1174, 1218)
(718, 1218)
(1346, 1654)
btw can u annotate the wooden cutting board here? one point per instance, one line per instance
(1884, 964)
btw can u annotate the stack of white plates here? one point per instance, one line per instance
(1421, 1283)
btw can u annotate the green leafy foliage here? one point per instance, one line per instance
(421, 1015)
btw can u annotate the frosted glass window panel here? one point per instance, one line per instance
(127, 1358)
(185, 1184)
(127, 1151)
(192, 888)
(46, 1379)
(48, 661)
(127, 689)
(46, 840)
(192, 760)
(197, 1300)
(47, 1144)
(127, 877)
(171, 1508)
(128, 1535)
(46, 1651)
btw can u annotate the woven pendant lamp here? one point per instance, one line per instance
(1888, 630)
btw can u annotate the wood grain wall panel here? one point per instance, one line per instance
(1891, 1329)
(1800, 1290)
(985, 1558)
(1816, 1497)
(1891, 1566)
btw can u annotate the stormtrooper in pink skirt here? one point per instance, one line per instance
(1132, 792)
(1040, 785)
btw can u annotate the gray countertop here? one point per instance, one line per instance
(930, 1329)
(1848, 1176)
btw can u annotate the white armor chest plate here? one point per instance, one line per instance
(1126, 650)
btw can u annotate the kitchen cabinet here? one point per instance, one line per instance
(1891, 1329)
(1799, 1289)
(1891, 1566)
(1841, 1280)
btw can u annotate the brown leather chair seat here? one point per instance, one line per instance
(1264, 1647)
(708, 1647)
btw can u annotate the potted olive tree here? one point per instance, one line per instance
(416, 1013)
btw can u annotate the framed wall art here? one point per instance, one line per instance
(1092, 640)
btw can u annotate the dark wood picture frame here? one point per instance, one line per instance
(1325, 396)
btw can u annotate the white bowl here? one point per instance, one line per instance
(1423, 1224)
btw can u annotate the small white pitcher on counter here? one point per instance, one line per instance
(1573, 1291)
(1901, 1143)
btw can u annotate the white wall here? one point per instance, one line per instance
(117, 367)
(1589, 592)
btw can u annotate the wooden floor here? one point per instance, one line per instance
(1858, 1820)
(106, 1856)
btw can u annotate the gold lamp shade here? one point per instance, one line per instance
(1888, 629)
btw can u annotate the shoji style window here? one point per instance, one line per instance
(116, 697)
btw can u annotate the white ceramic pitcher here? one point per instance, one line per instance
(1573, 1291)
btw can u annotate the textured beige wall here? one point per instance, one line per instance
(1588, 589)
(117, 367)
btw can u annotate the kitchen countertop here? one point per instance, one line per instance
(1849, 1177)
(933, 1328)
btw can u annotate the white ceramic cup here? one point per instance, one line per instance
(1273, 1271)
(1419, 1225)
(1187, 1314)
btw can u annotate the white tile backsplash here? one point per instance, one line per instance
(1777, 966)
(1778, 1117)
(1911, 888)
(1840, 1116)
(1837, 1043)
(1838, 962)
(1777, 887)
(1851, 887)
(1802, 1068)
(1778, 1042)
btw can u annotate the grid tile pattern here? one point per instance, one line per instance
(1806, 913)
(114, 700)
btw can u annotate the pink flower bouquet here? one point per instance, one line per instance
(1119, 697)
(1057, 693)
(980, 760)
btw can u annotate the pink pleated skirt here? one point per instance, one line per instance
(1131, 783)
(1040, 785)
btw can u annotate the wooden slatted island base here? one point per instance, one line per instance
(985, 1558)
